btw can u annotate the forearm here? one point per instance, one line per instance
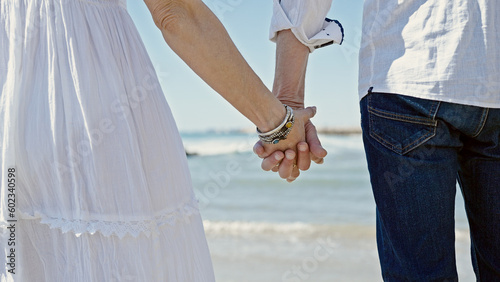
(291, 65)
(197, 36)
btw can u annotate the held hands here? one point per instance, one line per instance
(295, 153)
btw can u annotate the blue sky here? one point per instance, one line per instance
(331, 80)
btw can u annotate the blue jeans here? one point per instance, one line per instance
(416, 151)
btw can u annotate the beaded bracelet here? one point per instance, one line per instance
(281, 132)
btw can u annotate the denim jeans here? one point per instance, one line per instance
(416, 151)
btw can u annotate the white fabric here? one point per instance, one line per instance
(306, 19)
(434, 49)
(103, 191)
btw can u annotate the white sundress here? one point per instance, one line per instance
(102, 188)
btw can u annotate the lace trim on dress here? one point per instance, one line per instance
(118, 228)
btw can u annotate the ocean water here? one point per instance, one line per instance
(319, 228)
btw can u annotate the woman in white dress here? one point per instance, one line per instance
(95, 184)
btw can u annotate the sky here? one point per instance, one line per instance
(331, 79)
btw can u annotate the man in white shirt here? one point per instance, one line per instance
(429, 85)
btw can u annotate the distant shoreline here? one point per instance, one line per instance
(340, 131)
(321, 130)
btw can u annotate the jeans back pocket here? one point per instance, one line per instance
(401, 123)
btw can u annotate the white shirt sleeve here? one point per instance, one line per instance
(307, 20)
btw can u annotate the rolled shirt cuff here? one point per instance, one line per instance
(308, 30)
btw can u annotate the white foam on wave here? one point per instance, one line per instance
(244, 228)
(222, 144)
(210, 144)
(285, 230)
(342, 143)
(299, 230)
(212, 147)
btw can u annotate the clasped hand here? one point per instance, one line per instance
(296, 152)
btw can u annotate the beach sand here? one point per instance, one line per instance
(339, 256)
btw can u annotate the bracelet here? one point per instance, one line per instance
(281, 132)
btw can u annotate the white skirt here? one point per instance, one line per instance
(102, 188)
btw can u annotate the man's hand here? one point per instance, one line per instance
(289, 87)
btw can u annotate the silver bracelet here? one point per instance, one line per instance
(281, 132)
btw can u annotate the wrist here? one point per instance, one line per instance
(290, 94)
(293, 103)
(273, 119)
(281, 131)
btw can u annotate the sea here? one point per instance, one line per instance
(319, 228)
